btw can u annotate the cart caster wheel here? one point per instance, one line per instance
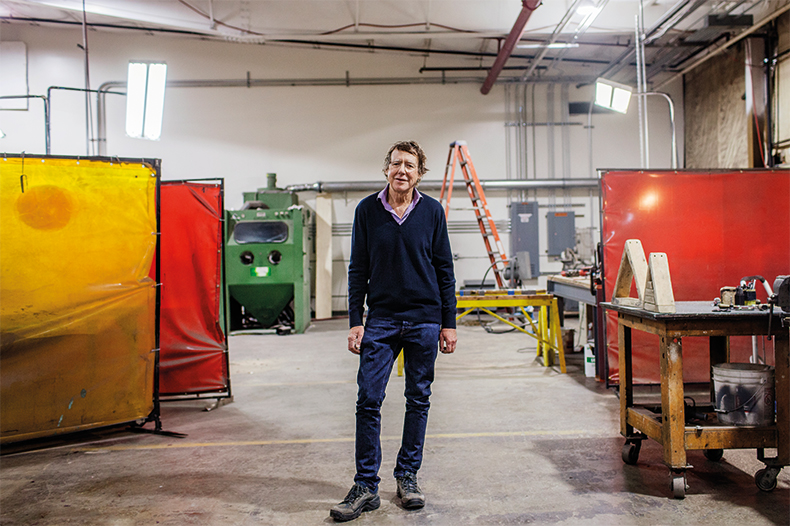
(678, 485)
(631, 452)
(714, 455)
(766, 479)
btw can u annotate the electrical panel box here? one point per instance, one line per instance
(561, 227)
(524, 233)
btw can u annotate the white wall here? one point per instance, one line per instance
(309, 134)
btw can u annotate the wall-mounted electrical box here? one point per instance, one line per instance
(561, 228)
(524, 233)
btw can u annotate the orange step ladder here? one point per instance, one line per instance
(459, 153)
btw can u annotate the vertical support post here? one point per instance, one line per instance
(542, 337)
(626, 377)
(556, 331)
(323, 256)
(673, 416)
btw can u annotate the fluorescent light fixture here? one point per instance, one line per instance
(554, 45)
(612, 95)
(145, 99)
(585, 10)
(590, 12)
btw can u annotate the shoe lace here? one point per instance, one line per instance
(409, 483)
(354, 493)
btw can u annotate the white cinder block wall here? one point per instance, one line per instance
(319, 133)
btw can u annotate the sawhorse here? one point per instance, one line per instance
(547, 331)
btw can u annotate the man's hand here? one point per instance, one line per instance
(355, 338)
(447, 340)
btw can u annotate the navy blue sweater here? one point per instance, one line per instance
(405, 271)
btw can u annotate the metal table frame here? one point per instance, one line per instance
(547, 332)
(580, 289)
(669, 427)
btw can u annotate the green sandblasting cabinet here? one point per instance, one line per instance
(268, 244)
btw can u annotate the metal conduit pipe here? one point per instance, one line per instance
(502, 184)
(527, 7)
(779, 12)
(101, 114)
(46, 114)
(673, 17)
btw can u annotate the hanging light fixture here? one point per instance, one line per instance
(612, 95)
(145, 99)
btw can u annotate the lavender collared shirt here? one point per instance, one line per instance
(383, 198)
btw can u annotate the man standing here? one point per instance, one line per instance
(401, 261)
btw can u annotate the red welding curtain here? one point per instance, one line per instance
(193, 351)
(715, 227)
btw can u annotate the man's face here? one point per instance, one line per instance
(402, 172)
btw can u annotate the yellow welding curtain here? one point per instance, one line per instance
(77, 308)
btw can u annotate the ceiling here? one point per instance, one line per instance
(455, 37)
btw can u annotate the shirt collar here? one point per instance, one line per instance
(382, 196)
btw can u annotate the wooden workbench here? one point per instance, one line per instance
(667, 424)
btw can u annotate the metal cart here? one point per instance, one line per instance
(667, 424)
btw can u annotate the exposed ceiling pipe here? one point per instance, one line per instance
(101, 114)
(528, 6)
(729, 43)
(552, 38)
(503, 184)
(674, 16)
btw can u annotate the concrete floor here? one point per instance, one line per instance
(510, 442)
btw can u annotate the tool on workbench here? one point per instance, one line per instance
(744, 297)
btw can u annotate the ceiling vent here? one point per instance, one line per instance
(717, 25)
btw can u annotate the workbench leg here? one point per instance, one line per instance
(556, 332)
(672, 412)
(626, 378)
(540, 332)
(544, 349)
(719, 353)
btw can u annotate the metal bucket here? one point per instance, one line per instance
(744, 394)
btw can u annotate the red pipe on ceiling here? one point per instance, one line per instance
(528, 6)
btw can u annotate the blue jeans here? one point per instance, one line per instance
(381, 343)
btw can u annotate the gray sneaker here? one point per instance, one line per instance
(359, 499)
(409, 492)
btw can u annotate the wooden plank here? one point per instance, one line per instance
(642, 324)
(659, 285)
(688, 327)
(672, 407)
(645, 421)
(633, 268)
(730, 437)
